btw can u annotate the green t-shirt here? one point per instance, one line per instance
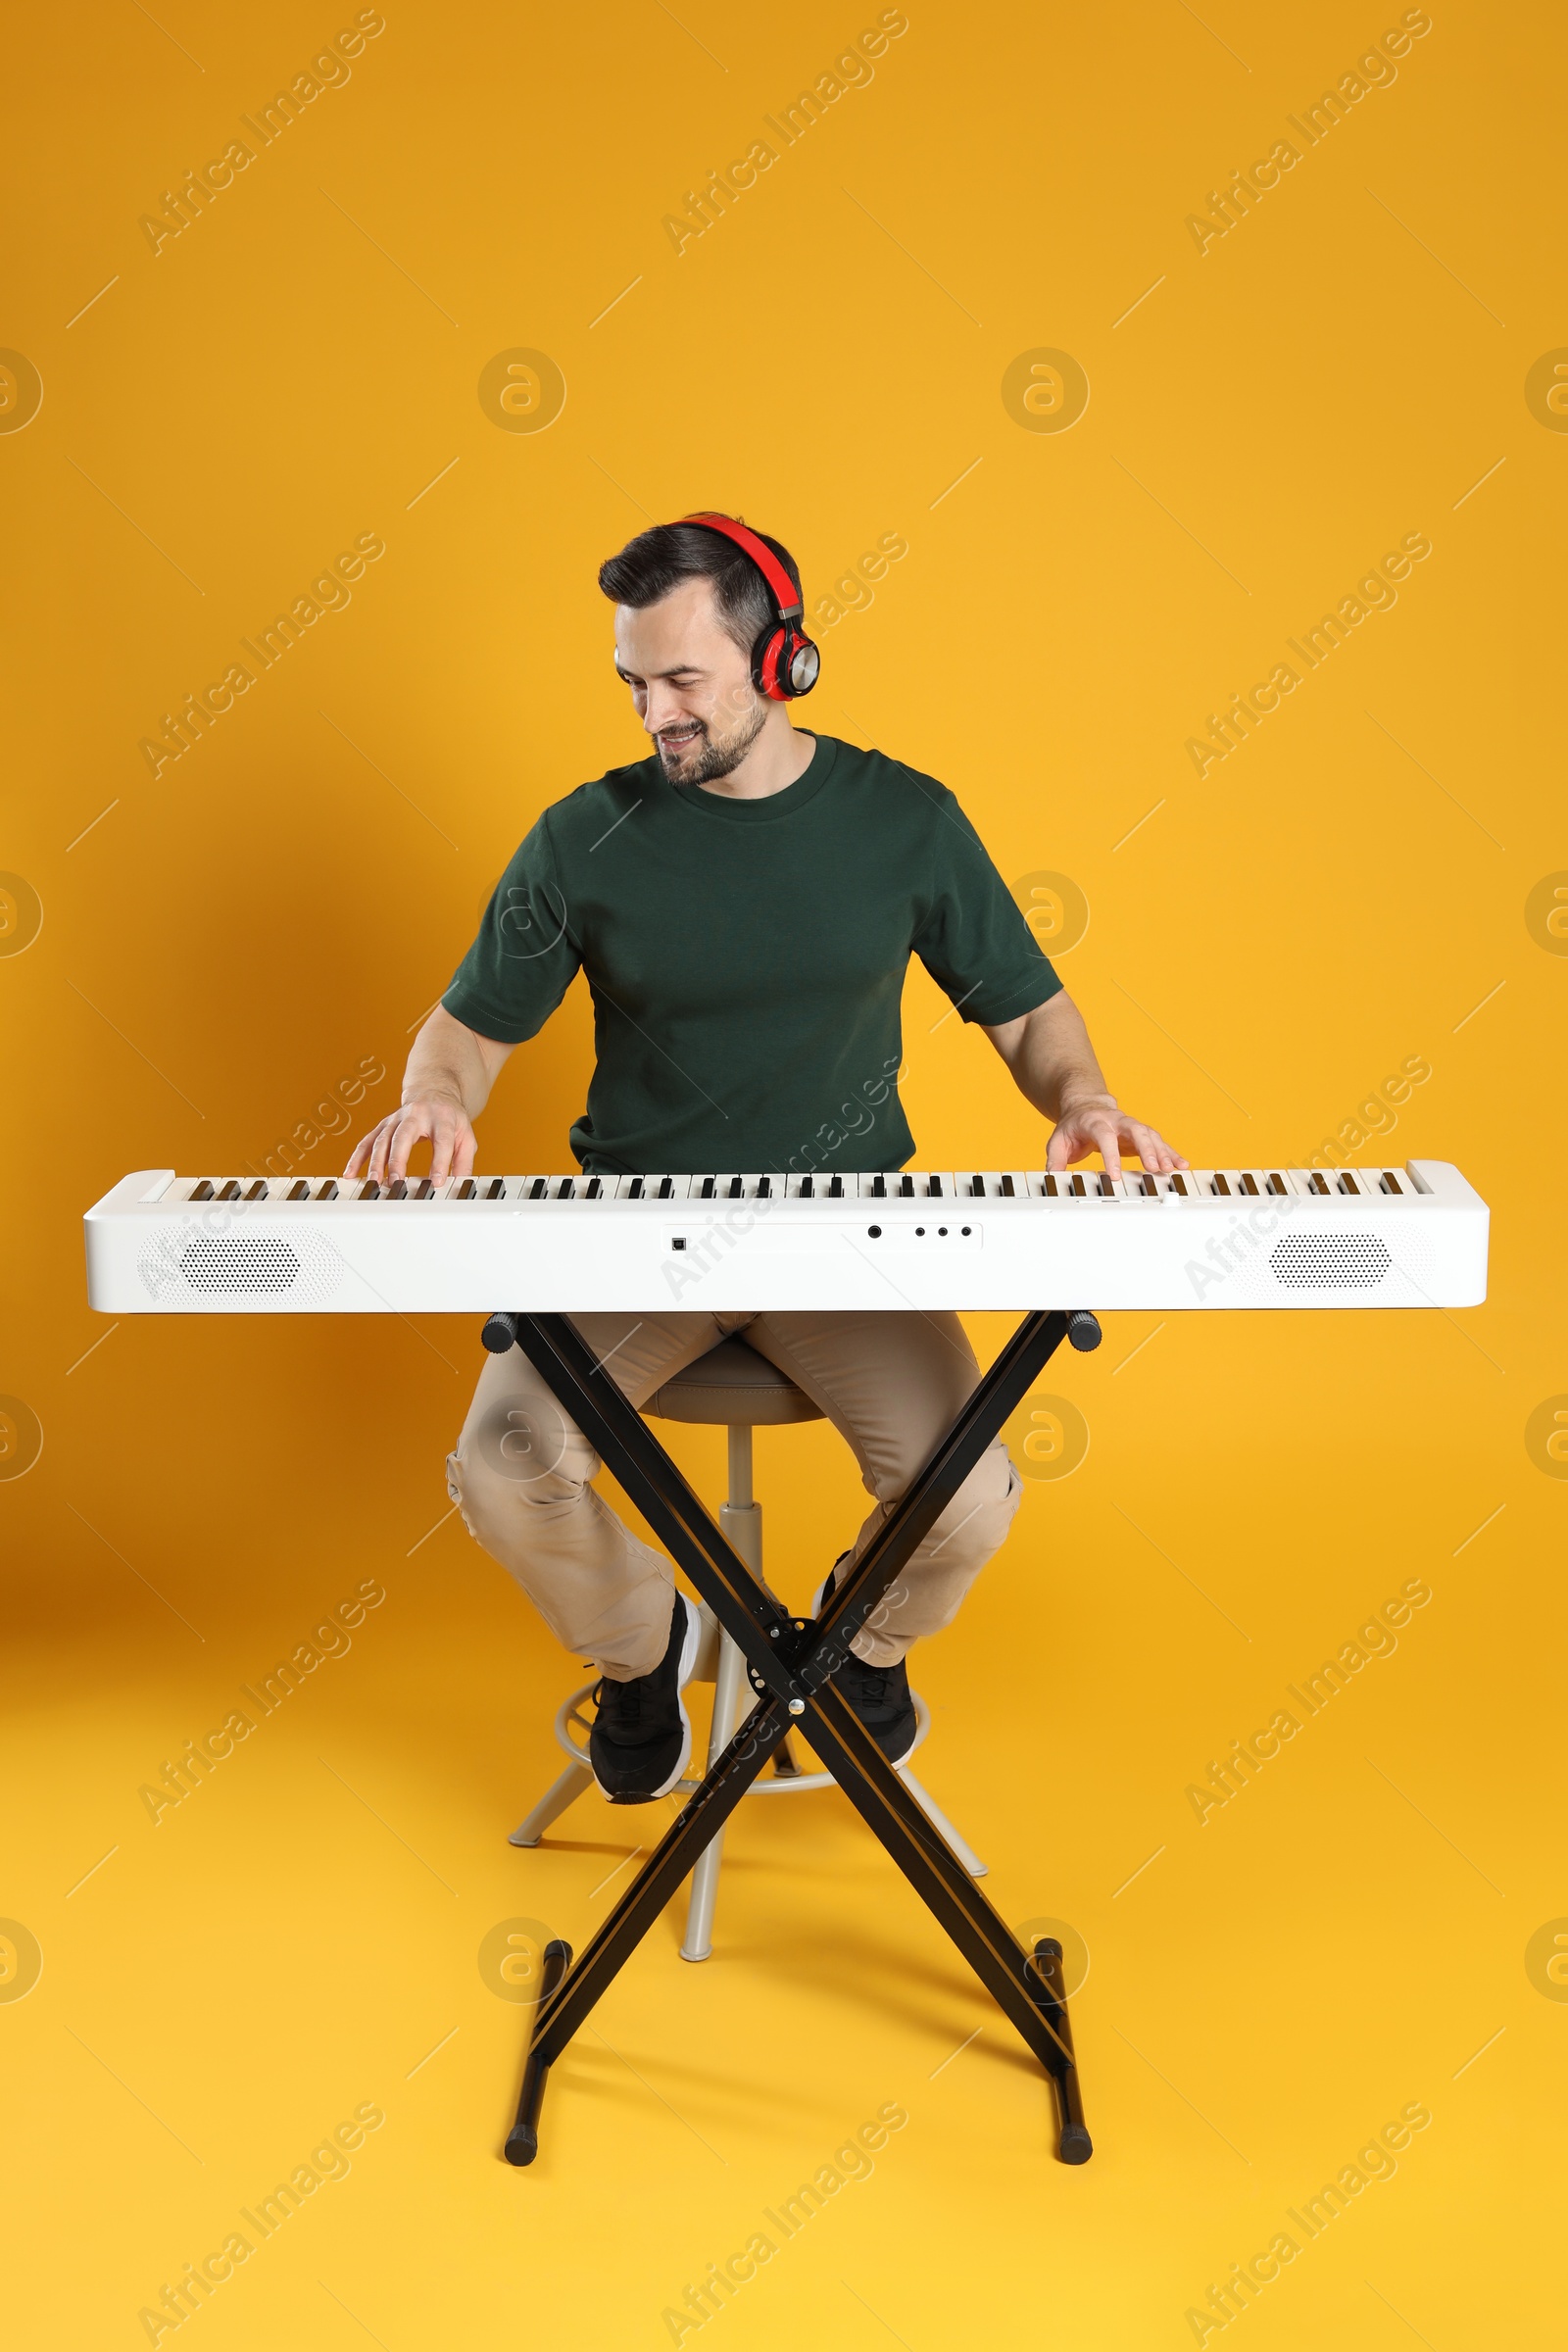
(747, 958)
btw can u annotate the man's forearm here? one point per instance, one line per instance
(1050, 1060)
(450, 1064)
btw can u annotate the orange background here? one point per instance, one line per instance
(222, 945)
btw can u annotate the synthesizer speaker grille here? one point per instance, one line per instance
(1330, 1261)
(245, 1262)
(179, 1264)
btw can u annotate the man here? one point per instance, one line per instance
(744, 903)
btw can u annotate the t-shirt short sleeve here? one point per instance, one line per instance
(524, 958)
(974, 940)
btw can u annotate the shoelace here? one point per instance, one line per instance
(627, 1705)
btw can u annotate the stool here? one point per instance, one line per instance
(732, 1388)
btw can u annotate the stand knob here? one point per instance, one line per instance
(1082, 1330)
(499, 1333)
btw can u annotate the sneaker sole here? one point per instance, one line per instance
(683, 1674)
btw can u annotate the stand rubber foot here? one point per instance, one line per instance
(1076, 2146)
(523, 2144)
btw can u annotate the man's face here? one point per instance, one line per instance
(690, 683)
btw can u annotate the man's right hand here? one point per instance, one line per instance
(383, 1153)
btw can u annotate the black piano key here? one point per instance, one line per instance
(1080, 1188)
(1151, 1187)
(231, 1191)
(372, 1192)
(496, 1188)
(329, 1190)
(301, 1190)
(1108, 1185)
(1319, 1181)
(1221, 1186)
(1051, 1187)
(932, 1187)
(538, 1189)
(709, 1188)
(1006, 1189)
(977, 1187)
(203, 1191)
(1178, 1184)
(835, 1190)
(879, 1188)
(568, 1190)
(737, 1189)
(1348, 1184)
(906, 1188)
(765, 1187)
(424, 1190)
(595, 1188)
(634, 1190)
(1249, 1184)
(468, 1190)
(258, 1191)
(1276, 1182)
(666, 1188)
(807, 1189)
(394, 1192)
(1390, 1182)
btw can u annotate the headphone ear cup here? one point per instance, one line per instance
(769, 674)
(801, 662)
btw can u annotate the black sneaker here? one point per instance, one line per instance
(641, 1737)
(879, 1694)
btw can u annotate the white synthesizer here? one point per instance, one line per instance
(161, 1244)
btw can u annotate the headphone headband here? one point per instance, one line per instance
(785, 594)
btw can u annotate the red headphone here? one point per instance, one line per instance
(785, 664)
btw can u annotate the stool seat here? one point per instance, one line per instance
(732, 1387)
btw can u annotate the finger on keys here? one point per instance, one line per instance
(409, 1128)
(357, 1155)
(1106, 1132)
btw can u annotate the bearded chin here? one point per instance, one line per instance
(716, 759)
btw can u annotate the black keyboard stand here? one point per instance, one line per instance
(789, 1661)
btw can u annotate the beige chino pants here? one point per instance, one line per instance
(892, 1386)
